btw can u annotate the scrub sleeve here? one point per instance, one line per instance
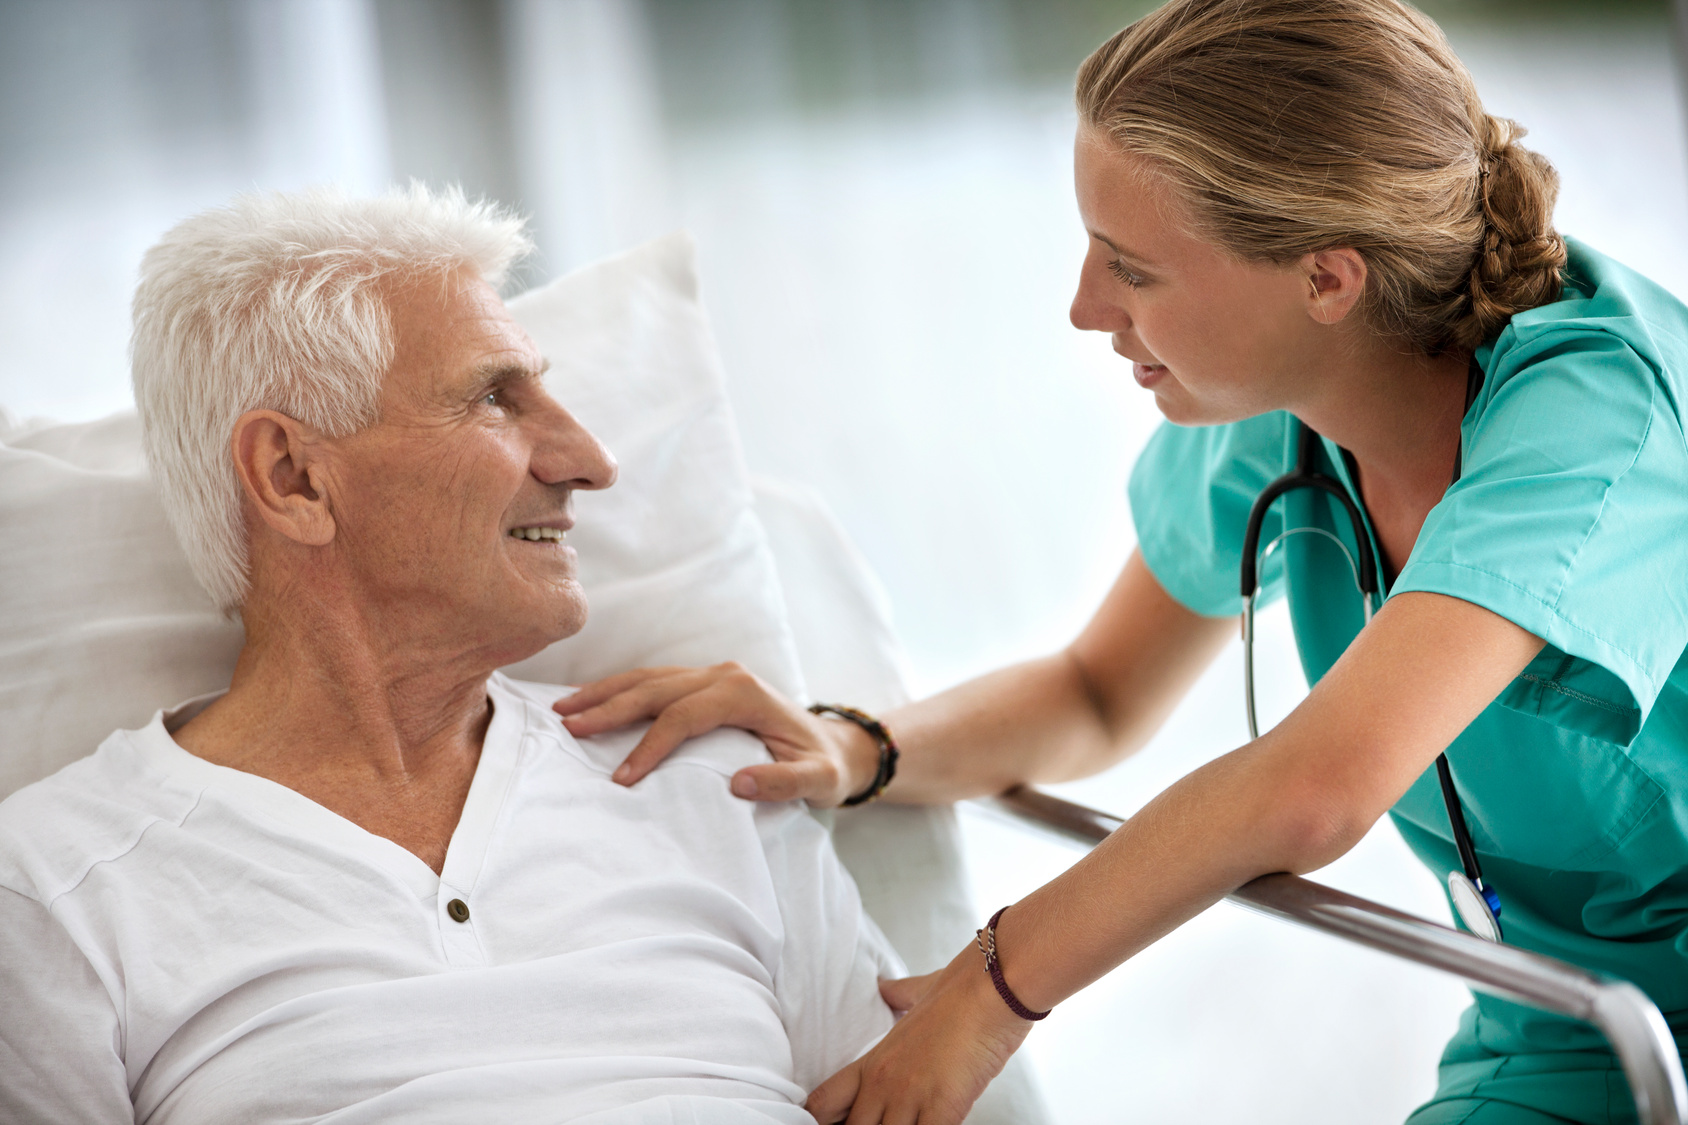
(1571, 520)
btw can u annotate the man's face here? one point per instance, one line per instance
(450, 510)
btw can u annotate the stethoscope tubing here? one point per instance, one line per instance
(1304, 477)
(1366, 577)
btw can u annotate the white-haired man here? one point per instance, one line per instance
(374, 880)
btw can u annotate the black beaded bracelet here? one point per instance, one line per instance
(888, 752)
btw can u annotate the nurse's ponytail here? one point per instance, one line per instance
(1292, 126)
(1519, 261)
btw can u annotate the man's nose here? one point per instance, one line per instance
(568, 453)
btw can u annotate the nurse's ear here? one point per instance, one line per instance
(1336, 279)
(275, 458)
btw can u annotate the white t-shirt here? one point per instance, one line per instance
(186, 943)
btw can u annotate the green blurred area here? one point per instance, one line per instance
(736, 58)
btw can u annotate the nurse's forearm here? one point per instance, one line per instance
(1293, 800)
(1229, 822)
(1028, 723)
(1063, 716)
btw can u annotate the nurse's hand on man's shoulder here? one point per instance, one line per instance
(815, 759)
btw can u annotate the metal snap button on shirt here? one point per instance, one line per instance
(458, 909)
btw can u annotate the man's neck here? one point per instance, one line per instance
(384, 730)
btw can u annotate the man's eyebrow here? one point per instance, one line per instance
(500, 373)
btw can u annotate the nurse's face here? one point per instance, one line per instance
(1215, 338)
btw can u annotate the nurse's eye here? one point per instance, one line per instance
(1118, 270)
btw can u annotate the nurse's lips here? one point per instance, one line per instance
(1148, 374)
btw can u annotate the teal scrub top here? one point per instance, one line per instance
(1570, 518)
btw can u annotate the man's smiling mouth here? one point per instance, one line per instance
(536, 534)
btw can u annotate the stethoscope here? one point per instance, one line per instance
(1476, 902)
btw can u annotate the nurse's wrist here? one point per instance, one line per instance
(1010, 992)
(857, 753)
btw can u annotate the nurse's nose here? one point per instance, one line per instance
(1093, 308)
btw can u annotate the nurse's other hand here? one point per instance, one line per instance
(956, 1036)
(815, 759)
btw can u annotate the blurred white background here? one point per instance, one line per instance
(880, 191)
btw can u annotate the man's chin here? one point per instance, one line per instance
(565, 611)
(557, 617)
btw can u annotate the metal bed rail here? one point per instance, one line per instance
(1623, 1013)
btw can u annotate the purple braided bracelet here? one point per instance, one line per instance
(987, 946)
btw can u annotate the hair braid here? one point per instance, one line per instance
(1520, 261)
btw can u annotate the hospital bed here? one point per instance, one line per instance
(688, 560)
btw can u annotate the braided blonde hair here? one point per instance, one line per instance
(1293, 126)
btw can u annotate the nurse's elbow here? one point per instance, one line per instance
(1315, 826)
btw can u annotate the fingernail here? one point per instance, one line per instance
(621, 774)
(744, 785)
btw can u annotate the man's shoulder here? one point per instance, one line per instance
(724, 751)
(92, 811)
(540, 695)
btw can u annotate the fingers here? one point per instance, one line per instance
(903, 994)
(935, 1062)
(594, 693)
(644, 694)
(719, 703)
(832, 1099)
(659, 742)
(684, 703)
(811, 779)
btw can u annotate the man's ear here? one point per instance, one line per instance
(273, 458)
(1336, 280)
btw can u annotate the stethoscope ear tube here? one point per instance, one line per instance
(1248, 665)
(1304, 476)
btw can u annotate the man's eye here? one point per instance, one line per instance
(490, 399)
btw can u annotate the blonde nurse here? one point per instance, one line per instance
(1319, 254)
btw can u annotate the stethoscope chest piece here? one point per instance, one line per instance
(1477, 906)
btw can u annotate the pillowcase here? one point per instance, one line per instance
(102, 623)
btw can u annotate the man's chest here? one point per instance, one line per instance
(561, 934)
(419, 811)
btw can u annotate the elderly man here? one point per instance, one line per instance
(375, 880)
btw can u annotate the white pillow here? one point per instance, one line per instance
(101, 622)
